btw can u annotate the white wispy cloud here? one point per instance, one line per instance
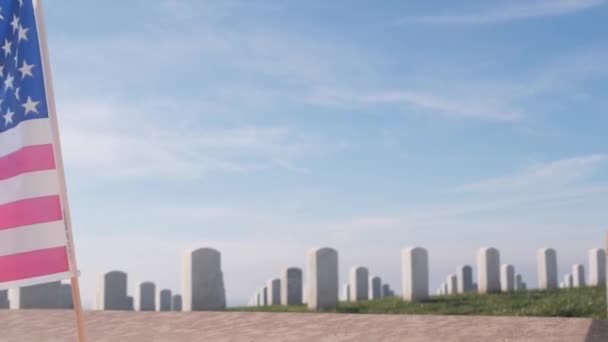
(512, 11)
(472, 106)
(153, 144)
(548, 176)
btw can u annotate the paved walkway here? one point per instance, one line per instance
(50, 326)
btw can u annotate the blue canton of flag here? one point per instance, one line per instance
(22, 95)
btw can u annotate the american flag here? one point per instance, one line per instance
(33, 242)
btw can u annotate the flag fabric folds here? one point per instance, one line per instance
(33, 242)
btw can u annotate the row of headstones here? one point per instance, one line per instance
(362, 286)
(202, 288)
(53, 295)
(287, 289)
(112, 295)
(462, 281)
(322, 283)
(496, 278)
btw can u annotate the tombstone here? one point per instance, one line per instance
(203, 281)
(322, 279)
(145, 296)
(291, 286)
(346, 292)
(112, 293)
(465, 278)
(40, 296)
(130, 303)
(547, 268)
(507, 278)
(488, 270)
(578, 275)
(4, 304)
(176, 303)
(386, 291)
(359, 285)
(597, 267)
(163, 300)
(264, 295)
(374, 288)
(452, 281)
(518, 282)
(415, 274)
(65, 297)
(274, 291)
(568, 281)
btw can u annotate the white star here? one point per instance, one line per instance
(7, 47)
(30, 106)
(15, 23)
(8, 82)
(8, 117)
(20, 3)
(1, 17)
(17, 93)
(2, 70)
(22, 33)
(26, 69)
(16, 57)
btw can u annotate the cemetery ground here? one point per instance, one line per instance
(587, 302)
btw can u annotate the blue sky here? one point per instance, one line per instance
(265, 128)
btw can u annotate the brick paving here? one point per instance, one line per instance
(58, 325)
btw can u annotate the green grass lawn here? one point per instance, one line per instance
(584, 302)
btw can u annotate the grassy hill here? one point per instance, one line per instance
(583, 302)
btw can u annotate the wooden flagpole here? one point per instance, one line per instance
(50, 99)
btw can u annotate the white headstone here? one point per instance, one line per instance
(375, 288)
(113, 291)
(415, 274)
(346, 292)
(203, 281)
(145, 297)
(547, 268)
(4, 304)
(519, 282)
(386, 291)
(578, 275)
(265, 298)
(291, 286)
(568, 281)
(176, 302)
(65, 296)
(465, 278)
(597, 267)
(507, 278)
(452, 281)
(163, 300)
(322, 279)
(488, 270)
(358, 283)
(274, 291)
(40, 296)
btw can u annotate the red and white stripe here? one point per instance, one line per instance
(33, 244)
